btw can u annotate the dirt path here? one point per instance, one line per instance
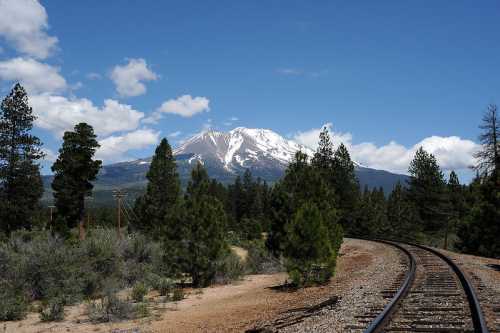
(230, 308)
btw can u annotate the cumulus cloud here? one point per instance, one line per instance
(129, 78)
(58, 114)
(115, 148)
(185, 106)
(35, 76)
(23, 23)
(452, 153)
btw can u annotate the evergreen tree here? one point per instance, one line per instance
(401, 216)
(323, 157)
(458, 206)
(345, 184)
(489, 156)
(427, 190)
(204, 226)
(74, 170)
(479, 235)
(302, 183)
(162, 192)
(20, 182)
(309, 250)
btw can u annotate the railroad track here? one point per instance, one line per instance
(433, 296)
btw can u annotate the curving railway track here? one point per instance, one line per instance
(433, 296)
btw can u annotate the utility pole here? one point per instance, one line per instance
(119, 195)
(51, 223)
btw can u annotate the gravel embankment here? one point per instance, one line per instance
(486, 281)
(365, 270)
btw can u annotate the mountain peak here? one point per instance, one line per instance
(242, 147)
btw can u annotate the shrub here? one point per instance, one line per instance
(164, 286)
(109, 308)
(53, 310)
(13, 304)
(260, 259)
(178, 295)
(139, 291)
(47, 267)
(142, 310)
(229, 268)
(101, 260)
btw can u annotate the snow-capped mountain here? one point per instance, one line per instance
(241, 148)
(225, 155)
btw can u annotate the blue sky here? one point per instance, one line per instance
(386, 76)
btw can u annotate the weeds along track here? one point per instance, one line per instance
(434, 296)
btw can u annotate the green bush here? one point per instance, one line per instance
(229, 268)
(109, 308)
(52, 310)
(13, 304)
(260, 259)
(142, 310)
(139, 291)
(47, 267)
(101, 259)
(164, 286)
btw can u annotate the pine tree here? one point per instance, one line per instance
(204, 227)
(345, 184)
(489, 156)
(427, 190)
(302, 183)
(162, 192)
(479, 235)
(401, 216)
(457, 204)
(323, 157)
(20, 182)
(74, 170)
(309, 250)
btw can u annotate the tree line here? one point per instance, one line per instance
(301, 218)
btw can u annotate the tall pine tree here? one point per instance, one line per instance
(480, 234)
(162, 192)
(20, 182)
(427, 190)
(346, 185)
(204, 225)
(74, 170)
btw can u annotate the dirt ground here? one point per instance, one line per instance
(229, 308)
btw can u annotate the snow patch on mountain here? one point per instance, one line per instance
(242, 148)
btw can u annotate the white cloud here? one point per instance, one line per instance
(93, 76)
(24, 23)
(290, 71)
(58, 114)
(185, 106)
(35, 76)
(128, 78)
(174, 134)
(115, 148)
(452, 153)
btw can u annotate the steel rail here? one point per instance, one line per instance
(474, 305)
(378, 324)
